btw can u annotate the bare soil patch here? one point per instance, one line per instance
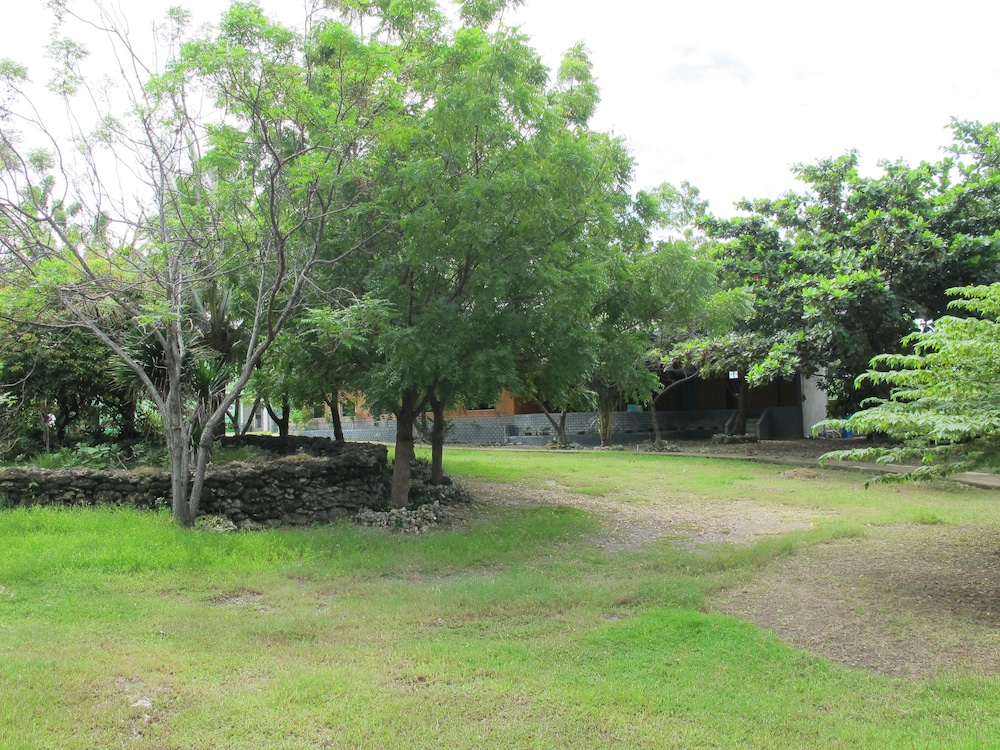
(903, 600)
(789, 451)
(248, 599)
(630, 525)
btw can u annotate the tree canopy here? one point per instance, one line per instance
(494, 193)
(845, 270)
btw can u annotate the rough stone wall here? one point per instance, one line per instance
(297, 489)
(312, 445)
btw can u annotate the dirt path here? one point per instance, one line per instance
(630, 525)
(904, 600)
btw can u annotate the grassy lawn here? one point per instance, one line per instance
(118, 629)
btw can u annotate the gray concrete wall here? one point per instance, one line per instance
(780, 423)
(628, 427)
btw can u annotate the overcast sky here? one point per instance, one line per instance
(726, 94)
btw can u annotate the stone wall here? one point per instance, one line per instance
(295, 489)
(313, 445)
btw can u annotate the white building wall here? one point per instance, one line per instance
(814, 400)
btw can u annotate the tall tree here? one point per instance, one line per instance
(497, 184)
(843, 270)
(245, 196)
(598, 339)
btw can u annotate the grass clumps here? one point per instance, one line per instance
(514, 629)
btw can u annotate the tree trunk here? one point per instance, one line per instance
(405, 419)
(437, 440)
(604, 427)
(338, 425)
(742, 408)
(652, 404)
(201, 466)
(63, 418)
(607, 400)
(126, 412)
(250, 416)
(219, 430)
(282, 419)
(178, 451)
(560, 426)
(656, 417)
(44, 416)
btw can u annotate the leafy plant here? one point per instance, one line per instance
(944, 409)
(101, 456)
(148, 454)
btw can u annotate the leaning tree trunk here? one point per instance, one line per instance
(219, 430)
(250, 417)
(405, 420)
(202, 455)
(338, 425)
(437, 440)
(560, 426)
(652, 404)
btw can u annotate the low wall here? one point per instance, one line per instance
(286, 446)
(298, 489)
(627, 427)
(781, 423)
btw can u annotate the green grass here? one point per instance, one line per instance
(633, 477)
(244, 453)
(119, 629)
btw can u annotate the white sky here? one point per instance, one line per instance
(727, 94)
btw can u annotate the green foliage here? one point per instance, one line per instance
(839, 273)
(57, 372)
(100, 456)
(489, 209)
(244, 205)
(148, 454)
(599, 339)
(576, 90)
(944, 409)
